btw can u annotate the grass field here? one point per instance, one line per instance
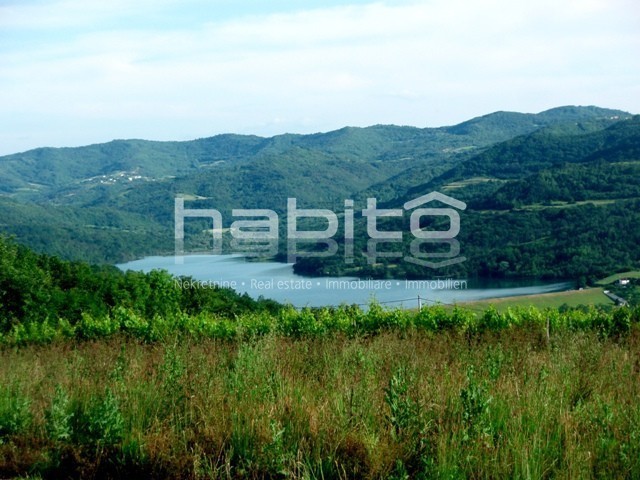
(325, 393)
(469, 181)
(503, 404)
(555, 204)
(559, 204)
(613, 278)
(572, 298)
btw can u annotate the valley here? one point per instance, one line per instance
(158, 371)
(526, 178)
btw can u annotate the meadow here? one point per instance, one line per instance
(322, 393)
(568, 299)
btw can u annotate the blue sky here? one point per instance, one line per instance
(75, 72)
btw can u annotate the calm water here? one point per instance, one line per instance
(277, 281)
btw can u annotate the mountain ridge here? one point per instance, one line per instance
(107, 202)
(158, 159)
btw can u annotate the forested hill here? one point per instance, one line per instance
(518, 169)
(42, 172)
(115, 201)
(550, 148)
(39, 289)
(555, 203)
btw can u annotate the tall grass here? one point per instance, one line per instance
(409, 403)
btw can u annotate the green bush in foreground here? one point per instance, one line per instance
(318, 322)
(15, 414)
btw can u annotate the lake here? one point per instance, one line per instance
(278, 282)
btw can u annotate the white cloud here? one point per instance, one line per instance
(100, 73)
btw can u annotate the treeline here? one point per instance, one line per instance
(44, 290)
(350, 321)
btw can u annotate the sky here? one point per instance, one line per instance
(78, 72)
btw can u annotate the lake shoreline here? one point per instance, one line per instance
(277, 281)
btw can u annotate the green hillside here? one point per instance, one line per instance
(115, 201)
(571, 212)
(37, 290)
(41, 172)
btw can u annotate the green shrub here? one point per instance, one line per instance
(129, 322)
(475, 401)
(620, 321)
(100, 422)
(15, 413)
(403, 410)
(58, 417)
(93, 328)
(298, 324)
